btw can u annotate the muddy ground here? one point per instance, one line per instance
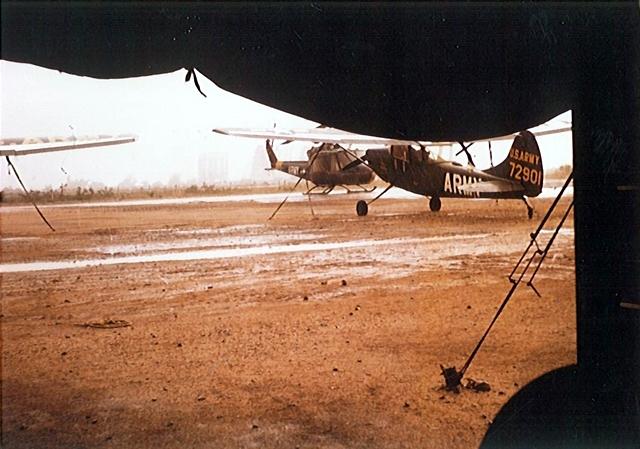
(303, 331)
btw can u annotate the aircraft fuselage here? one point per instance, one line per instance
(325, 167)
(418, 175)
(359, 175)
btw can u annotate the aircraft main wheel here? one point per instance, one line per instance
(362, 208)
(435, 204)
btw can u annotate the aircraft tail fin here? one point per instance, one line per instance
(523, 164)
(272, 156)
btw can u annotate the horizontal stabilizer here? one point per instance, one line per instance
(495, 186)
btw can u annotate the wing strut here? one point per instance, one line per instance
(453, 377)
(28, 194)
(490, 154)
(465, 150)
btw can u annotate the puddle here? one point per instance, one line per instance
(552, 192)
(224, 253)
(222, 230)
(204, 231)
(259, 198)
(562, 231)
(220, 242)
(17, 239)
(547, 192)
(246, 197)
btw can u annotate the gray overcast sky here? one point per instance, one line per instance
(172, 120)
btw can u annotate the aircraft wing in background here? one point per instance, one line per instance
(338, 136)
(326, 135)
(34, 145)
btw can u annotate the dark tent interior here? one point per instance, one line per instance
(430, 72)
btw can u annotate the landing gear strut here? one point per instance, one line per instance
(529, 208)
(362, 207)
(362, 189)
(325, 190)
(435, 204)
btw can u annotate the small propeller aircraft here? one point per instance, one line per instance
(326, 166)
(412, 166)
(519, 176)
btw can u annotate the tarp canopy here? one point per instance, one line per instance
(417, 71)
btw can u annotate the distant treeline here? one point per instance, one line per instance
(561, 172)
(65, 194)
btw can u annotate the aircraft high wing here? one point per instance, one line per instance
(324, 135)
(412, 166)
(326, 163)
(340, 137)
(24, 146)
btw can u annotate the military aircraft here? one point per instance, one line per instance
(325, 167)
(519, 176)
(412, 166)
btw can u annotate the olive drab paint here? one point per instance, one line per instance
(520, 175)
(453, 182)
(523, 164)
(324, 167)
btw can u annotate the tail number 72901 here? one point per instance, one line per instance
(526, 174)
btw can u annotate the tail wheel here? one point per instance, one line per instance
(435, 204)
(362, 208)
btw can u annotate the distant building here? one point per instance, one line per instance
(213, 168)
(259, 164)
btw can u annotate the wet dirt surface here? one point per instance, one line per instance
(302, 331)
